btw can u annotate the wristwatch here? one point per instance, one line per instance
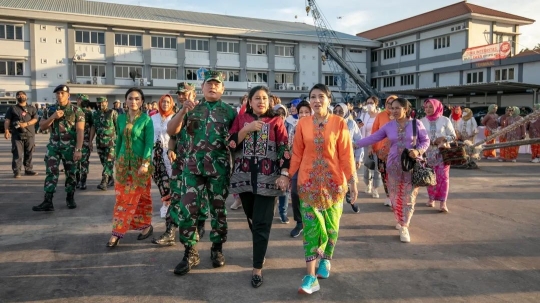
(145, 165)
(78, 150)
(286, 174)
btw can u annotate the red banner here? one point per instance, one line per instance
(487, 52)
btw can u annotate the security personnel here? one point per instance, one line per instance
(83, 102)
(66, 122)
(206, 169)
(19, 127)
(104, 126)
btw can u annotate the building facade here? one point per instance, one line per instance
(425, 52)
(101, 49)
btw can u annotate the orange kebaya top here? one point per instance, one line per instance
(324, 159)
(382, 147)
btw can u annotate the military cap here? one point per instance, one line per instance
(184, 87)
(83, 97)
(61, 88)
(101, 99)
(213, 75)
(116, 101)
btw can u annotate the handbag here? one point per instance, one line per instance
(454, 155)
(422, 174)
(370, 162)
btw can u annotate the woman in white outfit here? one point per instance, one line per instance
(372, 178)
(467, 127)
(162, 163)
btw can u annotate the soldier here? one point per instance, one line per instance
(105, 127)
(66, 122)
(82, 166)
(206, 169)
(177, 144)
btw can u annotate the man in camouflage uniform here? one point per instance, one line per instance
(206, 170)
(66, 122)
(177, 145)
(104, 126)
(82, 166)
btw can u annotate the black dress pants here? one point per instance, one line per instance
(22, 150)
(259, 211)
(295, 200)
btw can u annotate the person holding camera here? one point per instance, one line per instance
(19, 128)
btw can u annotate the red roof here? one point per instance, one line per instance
(441, 14)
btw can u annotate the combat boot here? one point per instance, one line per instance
(103, 184)
(167, 238)
(46, 205)
(191, 259)
(111, 182)
(82, 183)
(200, 228)
(216, 254)
(70, 200)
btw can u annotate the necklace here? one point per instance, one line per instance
(318, 122)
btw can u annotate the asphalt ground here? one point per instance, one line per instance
(487, 249)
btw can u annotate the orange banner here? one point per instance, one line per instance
(487, 52)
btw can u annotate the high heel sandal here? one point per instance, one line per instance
(443, 208)
(113, 243)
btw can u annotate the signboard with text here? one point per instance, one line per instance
(489, 52)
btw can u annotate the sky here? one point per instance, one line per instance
(348, 16)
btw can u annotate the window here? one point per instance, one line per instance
(191, 74)
(284, 78)
(330, 80)
(88, 70)
(128, 40)
(441, 42)
(374, 56)
(356, 51)
(407, 80)
(232, 76)
(11, 68)
(228, 47)
(127, 72)
(163, 42)
(90, 37)
(477, 77)
(164, 73)
(407, 49)
(284, 51)
(260, 77)
(435, 77)
(11, 32)
(504, 74)
(256, 49)
(389, 53)
(389, 81)
(374, 83)
(197, 45)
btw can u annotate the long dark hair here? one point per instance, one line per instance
(325, 89)
(270, 112)
(135, 89)
(405, 104)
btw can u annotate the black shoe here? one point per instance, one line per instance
(355, 208)
(70, 200)
(191, 259)
(111, 182)
(256, 281)
(46, 205)
(216, 255)
(142, 236)
(297, 230)
(82, 184)
(30, 173)
(113, 243)
(103, 184)
(16, 175)
(167, 238)
(200, 229)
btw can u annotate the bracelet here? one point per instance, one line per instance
(78, 150)
(286, 176)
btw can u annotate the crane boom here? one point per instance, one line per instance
(336, 62)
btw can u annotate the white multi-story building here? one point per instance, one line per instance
(422, 56)
(101, 49)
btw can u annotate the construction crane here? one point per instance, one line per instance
(338, 64)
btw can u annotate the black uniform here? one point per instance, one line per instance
(22, 138)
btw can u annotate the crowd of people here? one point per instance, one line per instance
(198, 150)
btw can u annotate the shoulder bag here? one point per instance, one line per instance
(421, 173)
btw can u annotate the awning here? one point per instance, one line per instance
(480, 89)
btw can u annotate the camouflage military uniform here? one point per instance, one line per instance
(206, 170)
(84, 163)
(105, 126)
(61, 147)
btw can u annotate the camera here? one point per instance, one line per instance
(18, 127)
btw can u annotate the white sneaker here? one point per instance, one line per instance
(398, 226)
(387, 202)
(368, 189)
(404, 235)
(375, 193)
(237, 204)
(514, 161)
(536, 160)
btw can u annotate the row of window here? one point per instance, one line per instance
(11, 68)
(11, 32)
(441, 42)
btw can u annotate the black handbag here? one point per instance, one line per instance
(421, 174)
(370, 162)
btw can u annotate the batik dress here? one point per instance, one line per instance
(162, 164)
(133, 208)
(324, 158)
(442, 127)
(491, 123)
(514, 135)
(504, 121)
(534, 132)
(402, 192)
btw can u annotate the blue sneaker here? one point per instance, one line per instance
(310, 284)
(323, 272)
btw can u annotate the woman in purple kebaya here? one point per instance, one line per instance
(400, 133)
